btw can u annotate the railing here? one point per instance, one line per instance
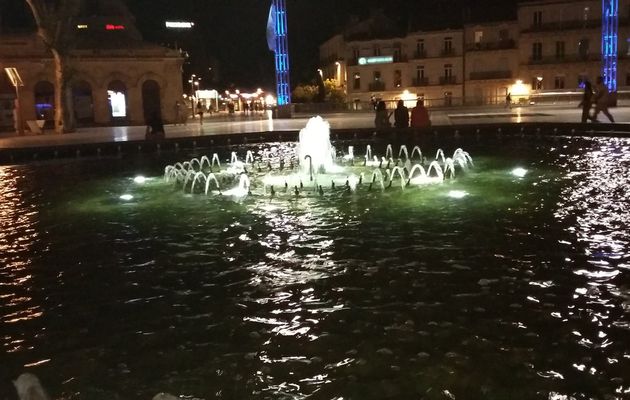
(448, 52)
(565, 25)
(376, 86)
(416, 82)
(487, 46)
(573, 58)
(475, 76)
(418, 54)
(448, 80)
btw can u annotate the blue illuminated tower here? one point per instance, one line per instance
(610, 27)
(278, 41)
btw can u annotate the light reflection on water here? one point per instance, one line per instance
(510, 292)
(18, 232)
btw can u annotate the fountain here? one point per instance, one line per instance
(318, 169)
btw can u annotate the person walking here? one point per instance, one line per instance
(420, 116)
(508, 100)
(601, 100)
(200, 111)
(381, 119)
(401, 115)
(587, 101)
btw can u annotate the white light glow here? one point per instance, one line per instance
(457, 194)
(179, 24)
(126, 197)
(270, 100)
(118, 102)
(519, 172)
(139, 179)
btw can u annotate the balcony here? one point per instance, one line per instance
(448, 53)
(420, 54)
(448, 80)
(564, 25)
(478, 76)
(376, 86)
(416, 82)
(489, 46)
(566, 59)
(400, 58)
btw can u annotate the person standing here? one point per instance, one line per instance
(601, 100)
(381, 119)
(401, 115)
(200, 111)
(178, 113)
(508, 100)
(587, 101)
(155, 127)
(420, 116)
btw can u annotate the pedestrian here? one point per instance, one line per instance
(155, 127)
(373, 102)
(178, 113)
(508, 100)
(200, 111)
(381, 119)
(401, 115)
(601, 100)
(587, 101)
(420, 116)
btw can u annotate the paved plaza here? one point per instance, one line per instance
(222, 124)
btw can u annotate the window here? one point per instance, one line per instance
(478, 37)
(537, 51)
(587, 11)
(627, 79)
(420, 48)
(355, 53)
(448, 71)
(377, 76)
(397, 78)
(397, 53)
(537, 19)
(537, 83)
(583, 46)
(377, 51)
(448, 45)
(559, 49)
(420, 72)
(504, 35)
(559, 82)
(357, 81)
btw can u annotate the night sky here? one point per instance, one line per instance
(229, 35)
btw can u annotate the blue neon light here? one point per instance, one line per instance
(280, 38)
(610, 28)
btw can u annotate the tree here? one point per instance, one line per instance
(54, 20)
(334, 94)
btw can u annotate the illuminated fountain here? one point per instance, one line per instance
(316, 169)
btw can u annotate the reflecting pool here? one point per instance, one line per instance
(507, 281)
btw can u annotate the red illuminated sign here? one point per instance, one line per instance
(112, 27)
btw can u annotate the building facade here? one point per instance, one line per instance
(547, 52)
(116, 77)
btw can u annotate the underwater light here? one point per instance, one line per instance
(519, 172)
(139, 179)
(457, 194)
(126, 197)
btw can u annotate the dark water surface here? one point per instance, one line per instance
(519, 290)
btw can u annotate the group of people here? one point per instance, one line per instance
(419, 116)
(597, 96)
